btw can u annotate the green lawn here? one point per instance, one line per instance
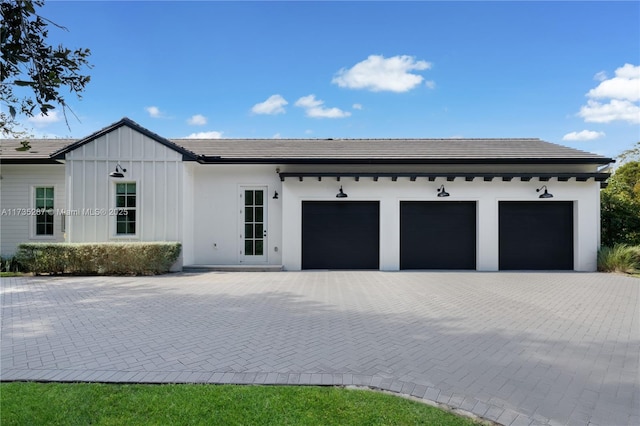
(11, 274)
(103, 404)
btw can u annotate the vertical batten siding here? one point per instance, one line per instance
(16, 192)
(157, 172)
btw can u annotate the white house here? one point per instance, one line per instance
(388, 204)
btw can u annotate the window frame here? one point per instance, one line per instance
(32, 212)
(115, 209)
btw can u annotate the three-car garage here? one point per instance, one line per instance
(437, 235)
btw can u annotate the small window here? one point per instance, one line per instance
(126, 208)
(44, 210)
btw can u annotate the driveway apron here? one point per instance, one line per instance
(515, 348)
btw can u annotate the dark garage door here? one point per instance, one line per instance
(340, 235)
(536, 235)
(437, 235)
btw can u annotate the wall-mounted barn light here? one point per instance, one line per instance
(545, 194)
(116, 173)
(442, 192)
(275, 195)
(341, 193)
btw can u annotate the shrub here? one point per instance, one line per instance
(619, 258)
(10, 264)
(99, 258)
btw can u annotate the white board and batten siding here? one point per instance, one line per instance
(17, 199)
(157, 171)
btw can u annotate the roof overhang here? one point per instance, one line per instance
(30, 161)
(402, 161)
(469, 177)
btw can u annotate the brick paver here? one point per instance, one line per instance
(516, 348)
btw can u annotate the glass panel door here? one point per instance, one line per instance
(253, 232)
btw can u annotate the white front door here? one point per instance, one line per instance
(253, 224)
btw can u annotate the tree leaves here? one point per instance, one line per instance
(25, 53)
(620, 206)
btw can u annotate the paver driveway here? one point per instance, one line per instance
(517, 348)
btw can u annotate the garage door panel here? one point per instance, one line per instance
(536, 235)
(340, 235)
(437, 235)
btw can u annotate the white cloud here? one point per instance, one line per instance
(274, 105)
(205, 135)
(197, 120)
(42, 120)
(357, 106)
(154, 112)
(625, 85)
(596, 112)
(430, 84)
(601, 76)
(378, 74)
(584, 135)
(276, 136)
(622, 93)
(315, 108)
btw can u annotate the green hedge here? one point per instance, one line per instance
(98, 258)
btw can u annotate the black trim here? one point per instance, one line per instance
(60, 154)
(30, 161)
(599, 177)
(204, 159)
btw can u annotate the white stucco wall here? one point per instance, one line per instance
(17, 185)
(487, 195)
(216, 212)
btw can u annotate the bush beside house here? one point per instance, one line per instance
(619, 258)
(99, 258)
(620, 212)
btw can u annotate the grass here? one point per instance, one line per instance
(619, 258)
(107, 404)
(11, 274)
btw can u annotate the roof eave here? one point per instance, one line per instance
(31, 161)
(220, 160)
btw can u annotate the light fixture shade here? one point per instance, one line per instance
(442, 192)
(341, 193)
(545, 194)
(119, 172)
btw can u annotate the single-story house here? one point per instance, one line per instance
(388, 204)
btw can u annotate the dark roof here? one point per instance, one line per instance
(324, 151)
(11, 150)
(386, 151)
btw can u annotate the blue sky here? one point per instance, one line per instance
(566, 72)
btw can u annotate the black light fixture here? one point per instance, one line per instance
(118, 174)
(545, 194)
(275, 195)
(341, 193)
(442, 192)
